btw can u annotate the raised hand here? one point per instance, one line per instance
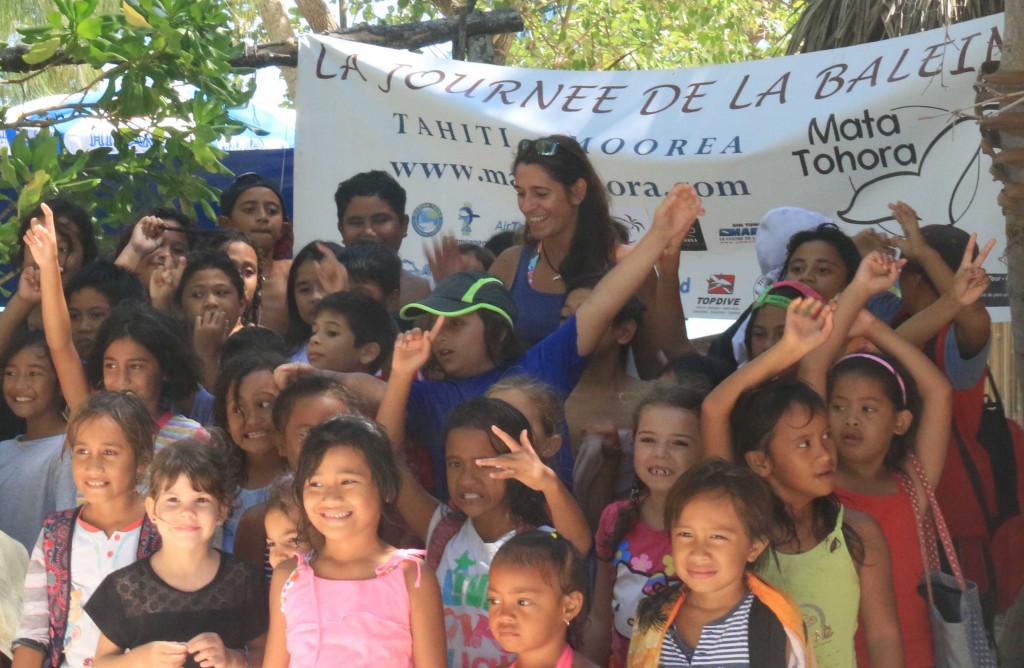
(289, 372)
(444, 257)
(677, 213)
(28, 286)
(971, 280)
(869, 239)
(878, 272)
(522, 463)
(41, 239)
(164, 282)
(330, 272)
(147, 235)
(808, 324)
(412, 349)
(913, 242)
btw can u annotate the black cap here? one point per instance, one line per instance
(463, 293)
(240, 185)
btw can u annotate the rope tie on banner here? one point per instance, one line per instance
(997, 92)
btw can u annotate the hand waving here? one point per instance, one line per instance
(330, 271)
(412, 349)
(808, 324)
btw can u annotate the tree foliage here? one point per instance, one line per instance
(164, 82)
(622, 34)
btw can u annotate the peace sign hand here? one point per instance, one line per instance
(522, 463)
(971, 280)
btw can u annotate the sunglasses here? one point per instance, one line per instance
(542, 147)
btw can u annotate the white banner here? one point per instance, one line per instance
(843, 132)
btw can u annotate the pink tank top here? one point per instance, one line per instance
(354, 623)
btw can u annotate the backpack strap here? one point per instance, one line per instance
(450, 523)
(57, 529)
(766, 637)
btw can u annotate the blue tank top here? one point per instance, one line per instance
(540, 313)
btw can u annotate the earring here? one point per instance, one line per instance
(567, 622)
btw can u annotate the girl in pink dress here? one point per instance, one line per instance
(354, 600)
(536, 600)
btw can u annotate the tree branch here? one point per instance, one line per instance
(404, 36)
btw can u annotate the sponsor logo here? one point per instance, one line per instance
(507, 226)
(466, 216)
(694, 240)
(684, 286)
(740, 233)
(721, 284)
(427, 219)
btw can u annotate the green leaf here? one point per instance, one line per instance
(90, 28)
(41, 52)
(32, 193)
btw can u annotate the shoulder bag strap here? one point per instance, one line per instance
(939, 522)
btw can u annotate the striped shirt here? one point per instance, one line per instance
(723, 642)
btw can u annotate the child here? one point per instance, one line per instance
(187, 603)
(158, 242)
(211, 297)
(305, 291)
(768, 316)
(878, 414)
(354, 598)
(633, 549)
(281, 522)
(138, 348)
(92, 294)
(720, 518)
(544, 410)
(243, 405)
(371, 205)
(35, 479)
(606, 390)
(76, 247)
(537, 584)
(254, 205)
(304, 404)
(110, 442)
(780, 430)
(373, 270)
(299, 407)
(242, 251)
(486, 509)
(352, 333)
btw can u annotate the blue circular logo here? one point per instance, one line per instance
(427, 219)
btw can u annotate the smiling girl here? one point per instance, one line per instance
(110, 441)
(32, 393)
(187, 604)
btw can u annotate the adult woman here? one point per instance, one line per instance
(568, 231)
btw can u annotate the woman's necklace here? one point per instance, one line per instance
(532, 266)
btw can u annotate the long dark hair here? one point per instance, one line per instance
(298, 331)
(593, 243)
(752, 425)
